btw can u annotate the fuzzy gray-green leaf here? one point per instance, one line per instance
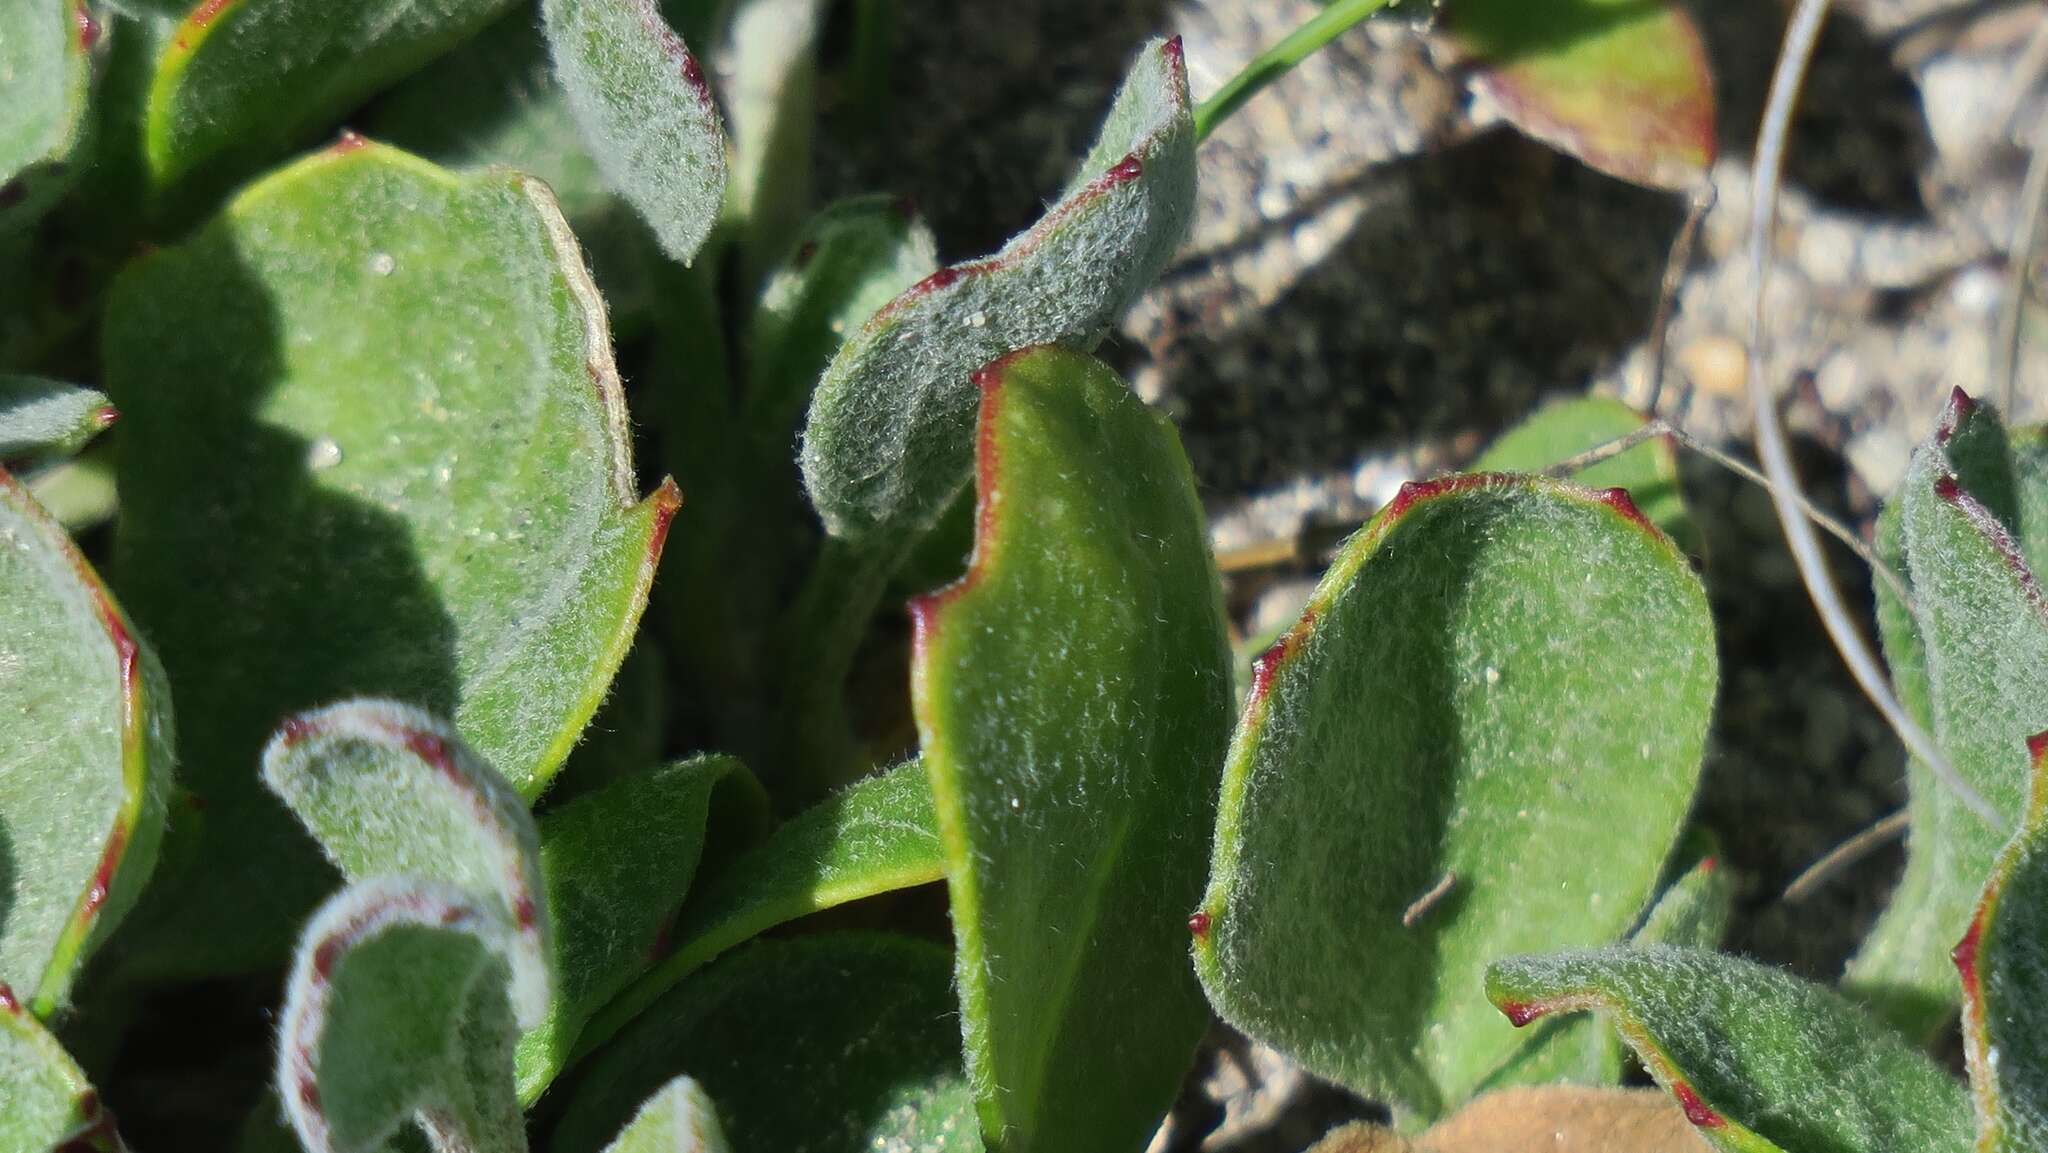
(41, 417)
(389, 790)
(679, 1118)
(45, 1100)
(85, 773)
(1761, 1060)
(2003, 965)
(1489, 722)
(646, 113)
(888, 441)
(397, 1012)
(45, 76)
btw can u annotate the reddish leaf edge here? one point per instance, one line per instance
(111, 873)
(1977, 1043)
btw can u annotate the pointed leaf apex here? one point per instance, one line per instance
(1960, 407)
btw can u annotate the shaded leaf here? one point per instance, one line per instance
(1758, 1059)
(241, 81)
(646, 113)
(618, 863)
(1072, 693)
(1623, 85)
(390, 791)
(45, 1100)
(1558, 1119)
(397, 1011)
(679, 1118)
(46, 73)
(875, 837)
(830, 1044)
(889, 442)
(84, 778)
(2003, 965)
(1974, 666)
(1564, 428)
(41, 417)
(1503, 681)
(374, 445)
(769, 76)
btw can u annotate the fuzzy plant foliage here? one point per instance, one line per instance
(888, 441)
(1966, 529)
(45, 1100)
(1073, 690)
(679, 1118)
(46, 69)
(43, 418)
(1566, 427)
(2003, 964)
(1522, 793)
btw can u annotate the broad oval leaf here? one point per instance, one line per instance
(1562, 429)
(1623, 85)
(889, 439)
(41, 417)
(389, 790)
(397, 1011)
(679, 1118)
(241, 81)
(2004, 973)
(45, 1100)
(1489, 722)
(618, 862)
(84, 779)
(1072, 694)
(842, 1043)
(374, 444)
(647, 115)
(1974, 663)
(45, 76)
(876, 836)
(1760, 1060)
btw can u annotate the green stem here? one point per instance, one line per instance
(1280, 59)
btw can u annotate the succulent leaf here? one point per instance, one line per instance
(617, 864)
(2003, 964)
(45, 56)
(876, 836)
(1562, 429)
(1974, 665)
(45, 1100)
(389, 790)
(1623, 85)
(390, 390)
(679, 1118)
(837, 1044)
(397, 1010)
(1760, 1060)
(41, 417)
(889, 440)
(1490, 721)
(243, 81)
(646, 113)
(1072, 694)
(84, 781)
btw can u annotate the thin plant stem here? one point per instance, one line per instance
(1846, 854)
(2020, 275)
(1675, 265)
(1801, 34)
(1280, 59)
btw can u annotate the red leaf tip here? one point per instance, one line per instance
(1960, 407)
(1696, 1111)
(349, 141)
(1965, 955)
(1520, 1013)
(88, 28)
(1128, 169)
(1946, 488)
(2037, 748)
(105, 415)
(1620, 501)
(8, 1002)
(1198, 924)
(1173, 50)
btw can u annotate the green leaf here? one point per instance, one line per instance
(877, 836)
(1694, 911)
(1489, 722)
(1623, 85)
(618, 863)
(41, 417)
(391, 791)
(396, 1011)
(2029, 448)
(242, 81)
(889, 439)
(647, 115)
(373, 445)
(1760, 1060)
(1975, 667)
(83, 782)
(2003, 964)
(46, 74)
(1564, 428)
(679, 1118)
(1073, 696)
(45, 1100)
(773, 53)
(830, 1044)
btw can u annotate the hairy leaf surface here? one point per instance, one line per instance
(46, 74)
(41, 417)
(2003, 963)
(45, 1100)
